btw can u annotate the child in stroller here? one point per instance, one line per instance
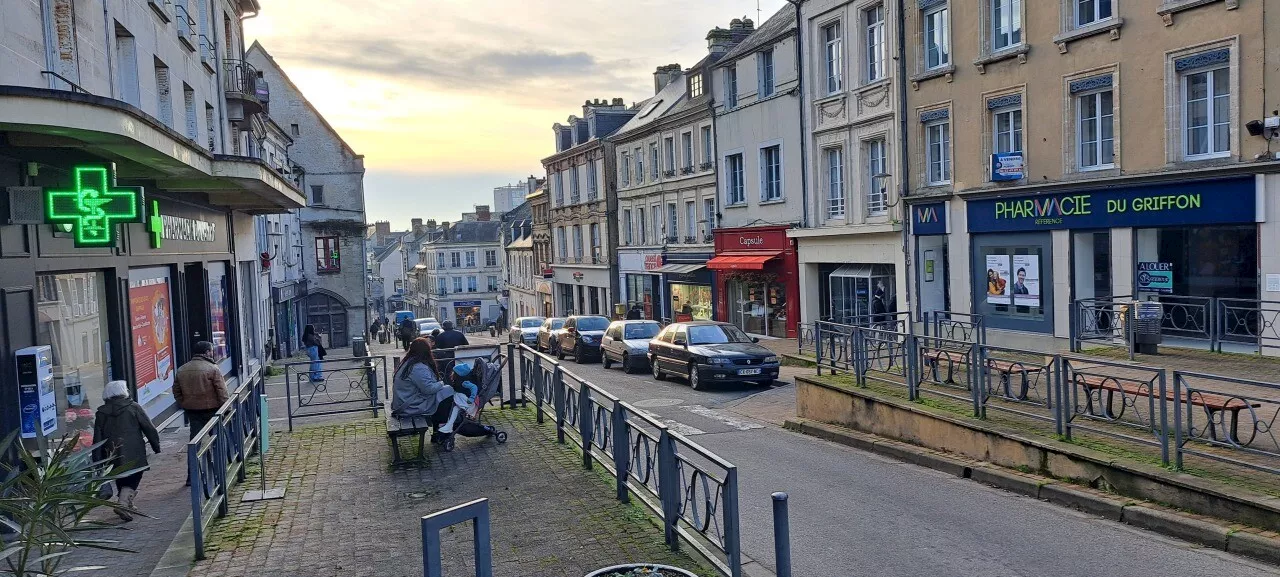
(475, 383)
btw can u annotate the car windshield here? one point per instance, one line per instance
(715, 334)
(530, 323)
(556, 324)
(427, 326)
(592, 323)
(641, 331)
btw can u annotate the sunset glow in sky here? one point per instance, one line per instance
(449, 98)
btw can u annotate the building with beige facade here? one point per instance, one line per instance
(1068, 157)
(851, 257)
(581, 179)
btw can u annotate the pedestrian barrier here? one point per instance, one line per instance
(693, 491)
(955, 326)
(1217, 322)
(217, 454)
(478, 513)
(1227, 419)
(1248, 321)
(334, 386)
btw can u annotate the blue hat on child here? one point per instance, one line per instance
(462, 369)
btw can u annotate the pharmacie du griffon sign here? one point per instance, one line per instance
(92, 208)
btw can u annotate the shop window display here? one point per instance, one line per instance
(71, 321)
(758, 304)
(690, 302)
(218, 313)
(151, 328)
(1013, 278)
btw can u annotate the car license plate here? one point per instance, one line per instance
(748, 371)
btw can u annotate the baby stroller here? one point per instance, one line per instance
(486, 377)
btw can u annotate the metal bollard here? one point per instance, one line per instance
(781, 535)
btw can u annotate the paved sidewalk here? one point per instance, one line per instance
(347, 514)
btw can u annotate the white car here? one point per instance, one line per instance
(627, 343)
(426, 325)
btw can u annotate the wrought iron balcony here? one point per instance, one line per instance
(690, 239)
(669, 173)
(243, 87)
(706, 166)
(686, 170)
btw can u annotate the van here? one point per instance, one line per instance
(401, 316)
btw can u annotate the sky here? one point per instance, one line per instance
(448, 99)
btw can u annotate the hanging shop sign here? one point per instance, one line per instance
(1178, 204)
(1156, 277)
(1007, 166)
(466, 303)
(164, 226)
(92, 209)
(929, 219)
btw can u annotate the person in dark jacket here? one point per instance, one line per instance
(123, 429)
(636, 313)
(407, 331)
(450, 337)
(315, 352)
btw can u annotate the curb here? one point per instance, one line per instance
(1168, 523)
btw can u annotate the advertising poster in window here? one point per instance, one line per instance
(217, 275)
(1026, 280)
(998, 279)
(151, 321)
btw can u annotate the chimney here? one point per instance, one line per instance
(444, 231)
(482, 212)
(718, 41)
(382, 228)
(739, 30)
(417, 226)
(619, 103)
(665, 75)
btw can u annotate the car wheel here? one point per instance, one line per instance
(605, 360)
(695, 382)
(657, 372)
(626, 363)
(577, 354)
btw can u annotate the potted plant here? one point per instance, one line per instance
(641, 570)
(45, 504)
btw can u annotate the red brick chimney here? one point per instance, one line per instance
(482, 212)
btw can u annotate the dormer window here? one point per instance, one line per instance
(695, 85)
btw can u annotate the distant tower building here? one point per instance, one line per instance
(506, 198)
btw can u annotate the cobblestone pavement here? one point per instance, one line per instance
(347, 513)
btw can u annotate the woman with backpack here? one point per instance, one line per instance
(123, 429)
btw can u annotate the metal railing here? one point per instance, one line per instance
(1230, 413)
(1095, 390)
(1248, 321)
(217, 454)
(956, 326)
(334, 386)
(1217, 321)
(693, 491)
(1019, 381)
(240, 77)
(74, 87)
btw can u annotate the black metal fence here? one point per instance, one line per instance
(693, 491)
(1216, 322)
(334, 386)
(1227, 419)
(217, 454)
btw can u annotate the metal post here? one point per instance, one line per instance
(1164, 419)
(621, 450)
(197, 490)
(781, 535)
(537, 387)
(288, 396)
(668, 488)
(859, 357)
(978, 380)
(1130, 314)
(817, 344)
(1073, 311)
(511, 374)
(1055, 387)
(910, 365)
(1177, 420)
(732, 534)
(1068, 392)
(586, 423)
(557, 382)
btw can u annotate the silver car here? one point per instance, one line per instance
(627, 343)
(525, 330)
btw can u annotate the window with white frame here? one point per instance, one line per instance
(669, 156)
(596, 254)
(877, 192)
(640, 223)
(457, 284)
(695, 85)
(835, 182)
(473, 284)
(1006, 24)
(624, 173)
(708, 216)
(577, 241)
(937, 37)
(832, 55)
(1095, 129)
(626, 227)
(592, 185)
(639, 165)
(575, 191)
(707, 145)
(731, 86)
(440, 260)
(766, 73)
(735, 189)
(873, 20)
(937, 135)
(771, 173)
(1006, 131)
(471, 259)
(655, 211)
(455, 259)
(442, 285)
(1089, 11)
(490, 258)
(1206, 103)
(686, 144)
(673, 222)
(653, 156)
(559, 185)
(690, 220)
(562, 243)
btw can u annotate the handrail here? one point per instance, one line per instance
(74, 87)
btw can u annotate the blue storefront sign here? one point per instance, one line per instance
(1006, 166)
(466, 303)
(1156, 277)
(1230, 201)
(929, 219)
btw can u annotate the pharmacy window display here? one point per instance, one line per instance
(72, 322)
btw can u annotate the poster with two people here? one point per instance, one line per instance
(1013, 279)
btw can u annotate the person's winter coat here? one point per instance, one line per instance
(313, 340)
(199, 386)
(419, 393)
(126, 430)
(450, 339)
(408, 330)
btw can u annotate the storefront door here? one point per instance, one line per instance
(759, 307)
(933, 258)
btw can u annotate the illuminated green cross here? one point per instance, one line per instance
(155, 224)
(95, 207)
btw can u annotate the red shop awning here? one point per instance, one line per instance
(742, 260)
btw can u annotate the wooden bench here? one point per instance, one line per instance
(398, 428)
(1006, 370)
(933, 357)
(1212, 403)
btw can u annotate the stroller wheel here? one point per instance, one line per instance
(448, 444)
(500, 436)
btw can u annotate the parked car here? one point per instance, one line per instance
(627, 343)
(581, 337)
(547, 334)
(525, 330)
(426, 325)
(709, 351)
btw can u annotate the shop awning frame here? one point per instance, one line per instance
(742, 260)
(679, 268)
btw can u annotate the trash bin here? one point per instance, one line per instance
(358, 347)
(1147, 316)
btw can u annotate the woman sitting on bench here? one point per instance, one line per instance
(417, 391)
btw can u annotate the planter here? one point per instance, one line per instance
(641, 570)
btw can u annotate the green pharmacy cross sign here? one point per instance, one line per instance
(94, 208)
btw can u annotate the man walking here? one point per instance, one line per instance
(199, 388)
(450, 337)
